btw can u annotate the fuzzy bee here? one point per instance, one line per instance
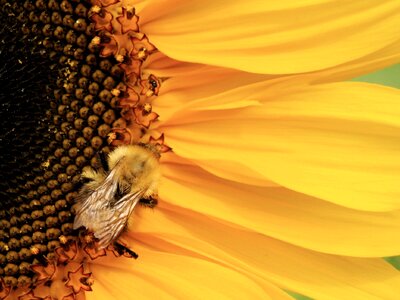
(107, 200)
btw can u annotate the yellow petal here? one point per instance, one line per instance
(275, 37)
(338, 142)
(186, 82)
(172, 229)
(231, 170)
(378, 60)
(160, 275)
(118, 280)
(283, 214)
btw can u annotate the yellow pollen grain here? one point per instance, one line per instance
(88, 238)
(119, 57)
(96, 40)
(63, 239)
(96, 9)
(34, 250)
(147, 108)
(142, 53)
(90, 281)
(46, 164)
(115, 92)
(111, 137)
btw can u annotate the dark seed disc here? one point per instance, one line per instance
(55, 116)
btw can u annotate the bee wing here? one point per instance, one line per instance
(112, 226)
(98, 211)
(91, 202)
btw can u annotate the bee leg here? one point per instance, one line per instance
(148, 202)
(103, 161)
(42, 259)
(85, 180)
(82, 181)
(122, 250)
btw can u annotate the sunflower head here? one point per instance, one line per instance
(71, 91)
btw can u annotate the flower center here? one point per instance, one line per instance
(72, 89)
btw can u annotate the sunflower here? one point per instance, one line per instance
(278, 176)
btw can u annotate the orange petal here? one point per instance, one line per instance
(279, 37)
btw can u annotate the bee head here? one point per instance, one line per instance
(152, 148)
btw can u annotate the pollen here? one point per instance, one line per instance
(115, 92)
(119, 57)
(35, 250)
(142, 54)
(96, 40)
(63, 239)
(147, 108)
(72, 88)
(95, 9)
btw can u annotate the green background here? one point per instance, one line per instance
(389, 77)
